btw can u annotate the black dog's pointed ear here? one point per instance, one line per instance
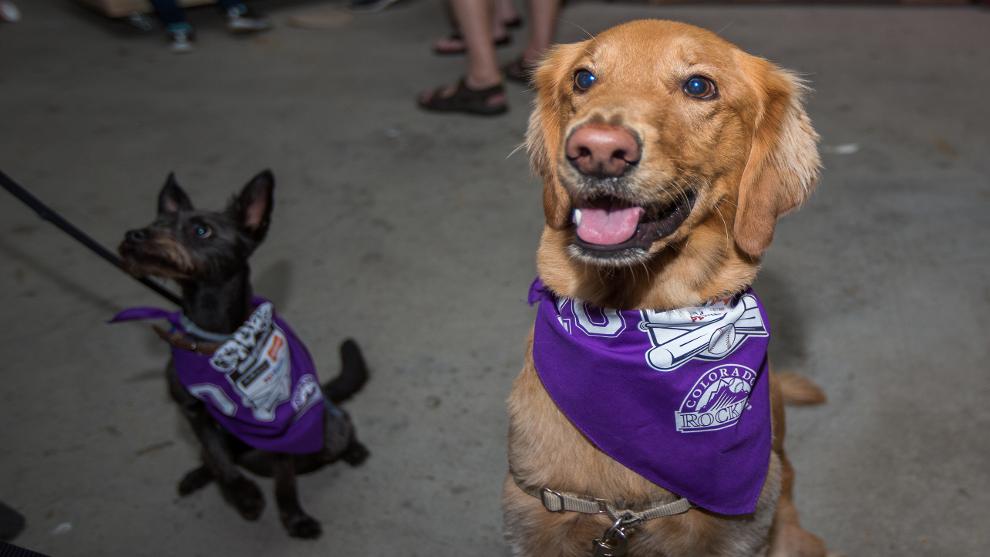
(253, 206)
(172, 199)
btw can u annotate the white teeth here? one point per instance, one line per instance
(577, 217)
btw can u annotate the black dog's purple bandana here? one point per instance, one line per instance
(260, 384)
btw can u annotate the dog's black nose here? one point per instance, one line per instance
(602, 150)
(138, 235)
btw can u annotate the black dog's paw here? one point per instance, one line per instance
(246, 497)
(194, 480)
(302, 526)
(355, 454)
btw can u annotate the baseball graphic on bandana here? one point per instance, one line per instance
(709, 332)
(722, 340)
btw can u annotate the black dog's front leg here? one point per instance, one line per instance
(294, 518)
(241, 492)
(195, 479)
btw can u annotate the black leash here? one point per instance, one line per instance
(46, 213)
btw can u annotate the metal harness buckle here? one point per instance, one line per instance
(603, 507)
(614, 542)
(556, 502)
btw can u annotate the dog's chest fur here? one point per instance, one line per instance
(545, 450)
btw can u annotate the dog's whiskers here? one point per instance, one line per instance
(725, 225)
(518, 148)
(582, 29)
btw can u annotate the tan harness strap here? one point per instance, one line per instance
(557, 501)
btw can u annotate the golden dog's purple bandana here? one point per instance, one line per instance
(260, 384)
(680, 397)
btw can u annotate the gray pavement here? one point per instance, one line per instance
(415, 234)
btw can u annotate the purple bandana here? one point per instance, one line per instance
(680, 397)
(260, 385)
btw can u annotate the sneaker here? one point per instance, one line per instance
(242, 20)
(181, 40)
(9, 12)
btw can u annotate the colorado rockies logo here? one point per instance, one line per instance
(716, 400)
(708, 333)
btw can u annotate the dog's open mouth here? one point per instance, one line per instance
(609, 225)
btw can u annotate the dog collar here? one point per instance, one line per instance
(562, 501)
(614, 539)
(200, 333)
(681, 397)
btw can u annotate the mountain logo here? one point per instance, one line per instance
(717, 399)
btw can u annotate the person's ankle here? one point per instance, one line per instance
(482, 82)
(502, 14)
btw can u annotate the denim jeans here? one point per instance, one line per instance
(174, 17)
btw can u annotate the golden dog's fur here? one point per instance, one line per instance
(749, 156)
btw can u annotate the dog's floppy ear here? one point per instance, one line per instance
(783, 163)
(172, 199)
(253, 206)
(545, 135)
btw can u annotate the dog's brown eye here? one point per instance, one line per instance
(700, 87)
(202, 231)
(583, 80)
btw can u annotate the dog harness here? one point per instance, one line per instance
(680, 397)
(258, 383)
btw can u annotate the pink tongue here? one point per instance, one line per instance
(608, 227)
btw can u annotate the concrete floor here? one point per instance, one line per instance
(415, 234)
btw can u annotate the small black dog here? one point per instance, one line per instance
(206, 252)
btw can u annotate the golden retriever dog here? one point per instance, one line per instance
(685, 150)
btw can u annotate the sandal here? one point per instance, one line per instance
(456, 36)
(464, 99)
(519, 71)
